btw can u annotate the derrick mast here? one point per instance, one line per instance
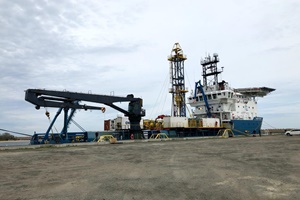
(177, 81)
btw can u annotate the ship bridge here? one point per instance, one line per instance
(255, 91)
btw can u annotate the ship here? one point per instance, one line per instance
(235, 108)
(215, 106)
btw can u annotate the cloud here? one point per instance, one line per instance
(121, 47)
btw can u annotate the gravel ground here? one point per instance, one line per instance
(237, 168)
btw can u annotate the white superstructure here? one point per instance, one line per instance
(224, 104)
(218, 99)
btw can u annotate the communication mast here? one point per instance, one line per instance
(210, 69)
(177, 81)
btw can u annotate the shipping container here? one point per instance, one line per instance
(175, 122)
(210, 122)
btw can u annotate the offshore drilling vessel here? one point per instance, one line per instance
(216, 106)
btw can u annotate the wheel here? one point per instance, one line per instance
(288, 134)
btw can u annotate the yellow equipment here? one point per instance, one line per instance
(225, 133)
(159, 136)
(105, 138)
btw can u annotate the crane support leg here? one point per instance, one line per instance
(50, 127)
(65, 128)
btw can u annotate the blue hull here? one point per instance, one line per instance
(245, 127)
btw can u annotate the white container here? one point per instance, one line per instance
(122, 123)
(119, 123)
(210, 122)
(175, 122)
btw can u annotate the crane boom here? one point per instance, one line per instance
(66, 100)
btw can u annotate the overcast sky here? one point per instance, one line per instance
(121, 47)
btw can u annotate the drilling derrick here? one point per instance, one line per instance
(177, 81)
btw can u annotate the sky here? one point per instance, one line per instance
(121, 47)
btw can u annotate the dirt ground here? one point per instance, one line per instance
(237, 168)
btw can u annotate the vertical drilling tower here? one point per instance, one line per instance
(177, 81)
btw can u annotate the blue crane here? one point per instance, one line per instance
(198, 86)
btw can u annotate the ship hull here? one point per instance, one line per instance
(246, 127)
(238, 127)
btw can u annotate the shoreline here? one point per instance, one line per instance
(2, 141)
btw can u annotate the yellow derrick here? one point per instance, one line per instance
(176, 53)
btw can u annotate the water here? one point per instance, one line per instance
(14, 143)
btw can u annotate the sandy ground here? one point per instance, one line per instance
(237, 168)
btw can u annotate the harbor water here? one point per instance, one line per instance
(14, 143)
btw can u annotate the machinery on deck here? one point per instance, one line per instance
(65, 100)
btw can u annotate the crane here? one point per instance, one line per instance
(65, 100)
(198, 86)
